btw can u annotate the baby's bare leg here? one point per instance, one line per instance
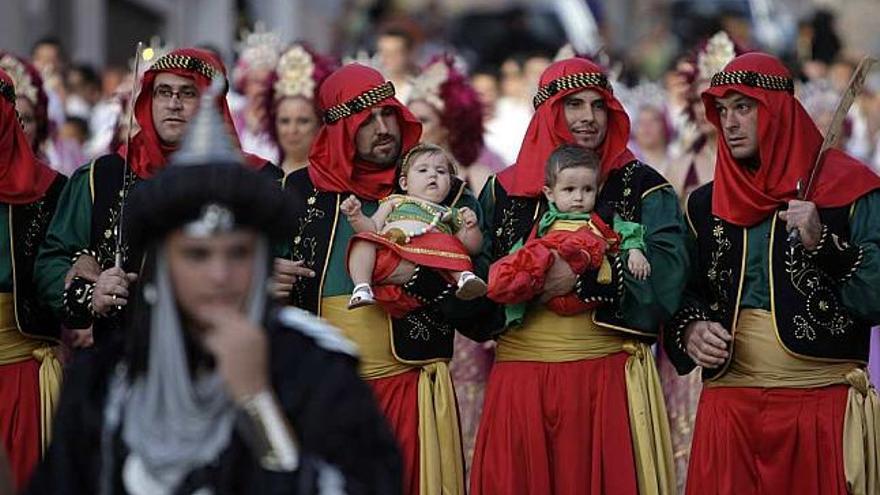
(401, 274)
(361, 260)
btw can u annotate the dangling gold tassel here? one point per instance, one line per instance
(604, 276)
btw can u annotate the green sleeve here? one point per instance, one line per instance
(5, 251)
(632, 234)
(649, 303)
(69, 231)
(861, 292)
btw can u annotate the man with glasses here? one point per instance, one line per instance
(75, 270)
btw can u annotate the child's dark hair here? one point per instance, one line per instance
(569, 156)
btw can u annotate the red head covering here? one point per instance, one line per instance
(345, 98)
(548, 128)
(29, 85)
(148, 153)
(23, 178)
(788, 143)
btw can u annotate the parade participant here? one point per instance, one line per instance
(293, 117)
(31, 101)
(573, 404)
(780, 329)
(413, 227)
(451, 114)
(404, 359)
(697, 138)
(571, 229)
(75, 270)
(212, 389)
(30, 374)
(258, 54)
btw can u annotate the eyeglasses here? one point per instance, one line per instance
(186, 94)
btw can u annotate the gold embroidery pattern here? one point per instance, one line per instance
(106, 248)
(435, 252)
(305, 247)
(40, 217)
(507, 233)
(626, 205)
(720, 278)
(823, 308)
(421, 325)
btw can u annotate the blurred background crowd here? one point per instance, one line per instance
(83, 54)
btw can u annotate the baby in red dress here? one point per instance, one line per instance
(413, 228)
(571, 231)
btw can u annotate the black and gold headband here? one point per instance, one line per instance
(359, 103)
(571, 81)
(7, 91)
(754, 80)
(184, 62)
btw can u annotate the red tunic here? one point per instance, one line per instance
(769, 440)
(555, 428)
(20, 417)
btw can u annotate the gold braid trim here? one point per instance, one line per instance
(571, 81)
(359, 103)
(184, 62)
(753, 79)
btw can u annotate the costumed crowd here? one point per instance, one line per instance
(372, 276)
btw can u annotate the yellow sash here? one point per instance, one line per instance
(15, 348)
(441, 468)
(550, 338)
(759, 360)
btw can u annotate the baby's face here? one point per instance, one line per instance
(574, 191)
(428, 177)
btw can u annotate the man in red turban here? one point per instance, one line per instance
(573, 402)
(780, 328)
(366, 130)
(29, 372)
(75, 270)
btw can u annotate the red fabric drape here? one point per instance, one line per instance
(148, 154)
(560, 428)
(398, 398)
(548, 129)
(789, 142)
(23, 178)
(768, 440)
(20, 417)
(333, 164)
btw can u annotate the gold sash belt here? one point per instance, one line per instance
(759, 360)
(16, 348)
(441, 459)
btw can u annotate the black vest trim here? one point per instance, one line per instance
(27, 229)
